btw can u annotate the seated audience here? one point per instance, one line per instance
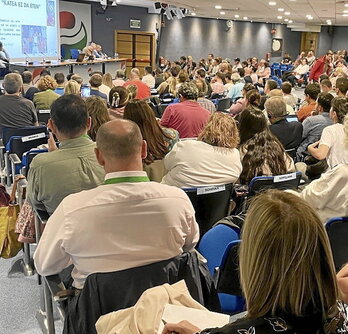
(15, 110)
(72, 87)
(290, 99)
(263, 71)
(288, 133)
(134, 79)
(29, 90)
(342, 87)
(261, 152)
(188, 117)
(168, 86)
(202, 92)
(242, 103)
(310, 58)
(118, 98)
(46, 95)
(96, 81)
(121, 224)
(69, 169)
(158, 77)
(211, 159)
(228, 80)
(182, 78)
(269, 86)
(311, 94)
(299, 73)
(313, 126)
(119, 79)
(331, 145)
(77, 78)
(148, 78)
(299, 293)
(236, 92)
(60, 80)
(202, 74)
(98, 112)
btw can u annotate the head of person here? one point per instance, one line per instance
(202, 87)
(107, 80)
(98, 112)
(342, 86)
(120, 146)
(270, 85)
(46, 82)
(183, 76)
(96, 81)
(69, 117)
(45, 72)
(329, 56)
(235, 77)
(12, 84)
(118, 97)
(77, 78)
(312, 91)
(323, 77)
(241, 72)
(201, 73)
(120, 74)
(142, 114)
(276, 108)
(304, 61)
(72, 87)
(236, 61)
(248, 87)
(175, 70)
(132, 91)
(325, 86)
(220, 131)
(27, 77)
(324, 103)
(254, 98)
(60, 78)
(182, 59)
(148, 70)
(220, 77)
(188, 91)
(339, 109)
(303, 277)
(286, 88)
(210, 56)
(134, 74)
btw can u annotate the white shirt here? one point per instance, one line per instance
(115, 227)
(194, 163)
(149, 80)
(328, 196)
(105, 89)
(333, 137)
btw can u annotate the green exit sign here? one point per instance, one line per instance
(135, 24)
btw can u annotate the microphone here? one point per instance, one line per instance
(31, 62)
(44, 60)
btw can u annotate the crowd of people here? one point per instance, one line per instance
(111, 144)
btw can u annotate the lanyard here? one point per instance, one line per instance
(127, 179)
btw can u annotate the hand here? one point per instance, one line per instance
(314, 145)
(51, 143)
(183, 327)
(342, 281)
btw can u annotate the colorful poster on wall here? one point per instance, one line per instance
(75, 27)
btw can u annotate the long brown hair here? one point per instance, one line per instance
(260, 146)
(286, 264)
(141, 113)
(98, 111)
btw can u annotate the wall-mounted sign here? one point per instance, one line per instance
(135, 24)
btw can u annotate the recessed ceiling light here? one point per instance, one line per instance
(222, 13)
(310, 17)
(279, 17)
(345, 15)
(236, 16)
(218, 7)
(118, 1)
(286, 20)
(245, 18)
(287, 13)
(290, 21)
(345, 11)
(346, 5)
(272, 3)
(193, 14)
(280, 9)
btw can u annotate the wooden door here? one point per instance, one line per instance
(137, 47)
(309, 41)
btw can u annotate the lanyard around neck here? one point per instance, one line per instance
(127, 179)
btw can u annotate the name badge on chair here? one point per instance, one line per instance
(285, 177)
(210, 190)
(33, 137)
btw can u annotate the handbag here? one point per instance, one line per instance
(9, 245)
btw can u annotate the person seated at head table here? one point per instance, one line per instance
(98, 230)
(287, 273)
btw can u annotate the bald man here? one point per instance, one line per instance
(126, 222)
(134, 79)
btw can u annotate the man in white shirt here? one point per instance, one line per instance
(126, 222)
(148, 78)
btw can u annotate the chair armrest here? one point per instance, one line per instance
(15, 159)
(58, 291)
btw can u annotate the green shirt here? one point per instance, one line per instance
(43, 100)
(70, 169)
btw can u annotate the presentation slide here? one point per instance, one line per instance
(29, 29)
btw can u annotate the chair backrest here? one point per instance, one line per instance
(7, 133)
(43, 116)
(214, 243)
(224, 104)
(337, 230)
(282, 182)
(211, 204)
(19, 145)
(28, 157)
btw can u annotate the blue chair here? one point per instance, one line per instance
(74, 53)
(337, 230)
(28, 157)
(275, 69)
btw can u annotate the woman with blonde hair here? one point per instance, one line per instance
(118, 98)
(98, 111)
(211, 159)
(168, 87)
(287, 272)
(72, 87)
(46, 95)
(132, 91)
(107, 80)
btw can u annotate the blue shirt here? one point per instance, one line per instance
(236, 91)
(59, 90)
